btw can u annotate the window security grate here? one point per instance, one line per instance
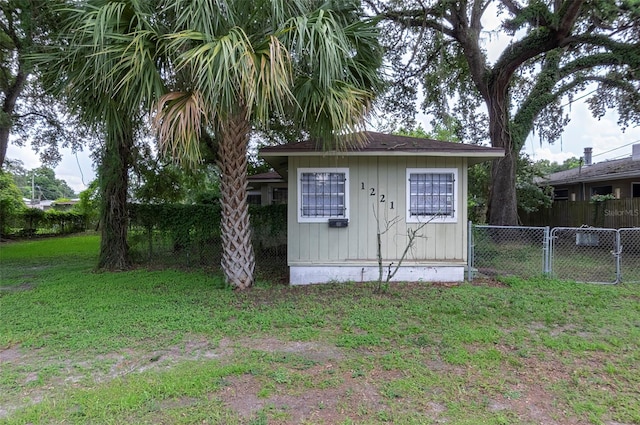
(431, 194)
(323, 194)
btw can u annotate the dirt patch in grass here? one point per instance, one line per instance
(25, 286)
(314, 351)
(322, 404)
(10, 355)
(74, 371)
(323, 390)
(529, 394)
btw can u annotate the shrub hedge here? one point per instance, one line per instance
(195, 229)
(184, 226)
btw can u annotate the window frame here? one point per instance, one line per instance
(608, 188)
(453, 218)
(559, 194)
(324, 218)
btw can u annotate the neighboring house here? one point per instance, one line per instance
(620, 178)
(339, 200)
(44, 204)
(267, 189)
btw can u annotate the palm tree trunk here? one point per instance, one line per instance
(238, 259)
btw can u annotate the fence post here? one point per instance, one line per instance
(469, 251)
(618, 254)
(546, 248)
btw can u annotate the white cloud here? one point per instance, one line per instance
(545, 152)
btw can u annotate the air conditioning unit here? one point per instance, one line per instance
(587, 239)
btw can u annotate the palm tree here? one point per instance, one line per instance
(94, 70)
(238, 63)
(230, 65)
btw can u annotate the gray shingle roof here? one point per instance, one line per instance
(601, 171)
(268, 176)
(387, 143)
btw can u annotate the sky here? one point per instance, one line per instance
(77, 172)
(605, 136)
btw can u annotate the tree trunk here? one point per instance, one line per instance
(5, 130)
(502, 204)
(11, 95)
(238, 259)
(114, 181)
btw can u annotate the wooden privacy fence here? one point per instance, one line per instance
(615, 213)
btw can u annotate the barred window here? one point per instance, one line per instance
(431, 194)
(322, 194)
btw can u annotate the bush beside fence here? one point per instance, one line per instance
(189, 235)
(35, 222)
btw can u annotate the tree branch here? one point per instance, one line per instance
(569, 11)
(419, 19)
(536, 15)
(540, 40)
(45, 117)
(476, 14)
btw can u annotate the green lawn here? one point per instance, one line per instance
(175, 347)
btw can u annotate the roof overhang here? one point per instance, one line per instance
(279, 160)
(374, 144)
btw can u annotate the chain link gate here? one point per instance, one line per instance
(585, 254)
(630, 255)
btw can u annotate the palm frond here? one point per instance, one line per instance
(337, 61)
(179, 120)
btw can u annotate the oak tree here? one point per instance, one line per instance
(558, 50)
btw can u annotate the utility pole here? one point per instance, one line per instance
(33, 188)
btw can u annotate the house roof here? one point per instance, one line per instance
(376, 143)
(268, 177)
(257, 181)
(381, 144)
(602, 171)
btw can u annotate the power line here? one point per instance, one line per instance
(578, 98)
(614, 149)
(80, 169)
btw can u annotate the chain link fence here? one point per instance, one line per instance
(581, 254)
(630, 255)
(186, 236)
